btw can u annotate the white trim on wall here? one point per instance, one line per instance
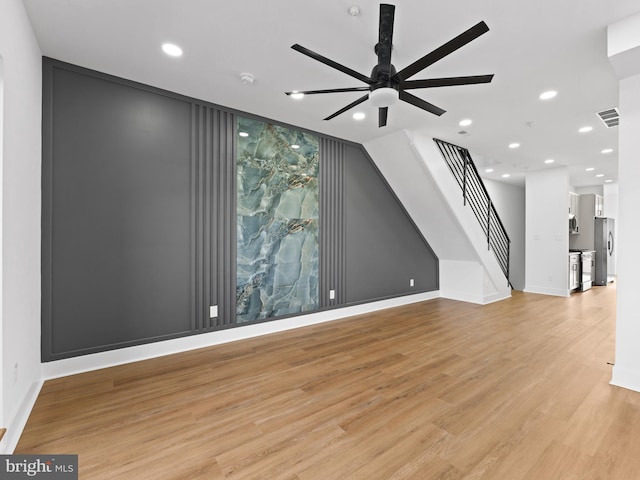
(4, 441)
(96, 361)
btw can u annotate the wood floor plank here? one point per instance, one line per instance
(440, 389)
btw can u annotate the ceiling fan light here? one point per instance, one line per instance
(383, 97)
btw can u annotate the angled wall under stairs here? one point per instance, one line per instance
(469, 271)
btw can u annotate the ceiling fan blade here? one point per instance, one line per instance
(332, 64)
(418, 102)
(446, 82)
(442, 51)
(382, 116)
(332, 90)
(385, 39)
(348, 107)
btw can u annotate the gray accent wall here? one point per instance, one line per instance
(117, 201)
(139, 217)
(384, 249)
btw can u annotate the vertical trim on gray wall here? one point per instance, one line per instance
(47, 212)
(198, 163)
(332, 218)
(223, 265)
(214, 214)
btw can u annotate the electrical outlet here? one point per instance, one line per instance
(332, 294)
(213, 311)
(411, 282)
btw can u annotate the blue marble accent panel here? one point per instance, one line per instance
(277, 221)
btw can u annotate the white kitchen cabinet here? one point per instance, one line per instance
(591, 205)
(574, 213)
(574, 271)
(574, 204)
(599, 206)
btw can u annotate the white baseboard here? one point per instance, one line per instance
(461, 296)
(496, 297)
(96, 361)
(557, 292)
(16, 426)
(477, 299)
(625, 378)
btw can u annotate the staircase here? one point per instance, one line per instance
(475, 194)
(469, 269)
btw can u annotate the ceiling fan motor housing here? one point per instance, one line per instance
(383, 97)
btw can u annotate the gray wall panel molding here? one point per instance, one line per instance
(384, 249)
(118, 237)
(332, 227)
(214, 147)
(223, 229)
(417, 230)
(200, 213)
(47, 209)
(141, 184)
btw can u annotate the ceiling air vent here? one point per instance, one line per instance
(610, 117)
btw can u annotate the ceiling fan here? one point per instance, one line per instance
(385, 85)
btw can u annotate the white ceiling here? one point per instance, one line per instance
(532, 46)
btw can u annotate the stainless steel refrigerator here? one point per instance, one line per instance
(604, 243)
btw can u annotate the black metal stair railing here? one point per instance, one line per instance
(475, 194)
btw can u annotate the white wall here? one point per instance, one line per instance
(610, 200)
(420, 196)
(626, 372)
(624, 53)
(21, 198)
(2, 420)
(547, 235)
(509, 201)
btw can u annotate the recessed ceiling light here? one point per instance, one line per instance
(607, 150)
(590, 169)
(295, 147)
(296, 95)
(549, 160)
(243, 134)
(548, 95)
(466, 122)
(600, 175)
(171, 49)
(505, 175)
(359, 116)
(514, 145)
(585, 129)
(488, 170)
(608, 181)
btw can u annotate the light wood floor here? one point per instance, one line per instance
(437, 390)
